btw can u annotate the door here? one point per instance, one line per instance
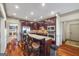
(74, 32)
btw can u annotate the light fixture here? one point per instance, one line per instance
(43, 4)
(16, 6)
(14, 14)
(41, 17)
(56, 14)
(26, 17)
(52, 13)
(32, 13)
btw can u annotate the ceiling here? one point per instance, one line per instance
(38, 11)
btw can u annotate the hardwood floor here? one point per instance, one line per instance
(66, 50)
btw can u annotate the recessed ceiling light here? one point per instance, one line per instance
(14, 14)
(32, 13)
(16, 6)
(41, 17)
(52, 13)
(26, 17)
(56, 14)
(43, 4)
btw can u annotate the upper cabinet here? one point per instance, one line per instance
(36, 25)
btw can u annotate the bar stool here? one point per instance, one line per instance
(36, 48)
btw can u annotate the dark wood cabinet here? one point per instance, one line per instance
(36, 25)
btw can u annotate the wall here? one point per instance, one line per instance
(70, 16)
(3, 30)
(3, 36)
(67, 19)
(0, 34)
(58, 30)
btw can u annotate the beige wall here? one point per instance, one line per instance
(0, 35)
(70, 16)
(67, 20)
(3, 36)
(58, 30)
(3, 30)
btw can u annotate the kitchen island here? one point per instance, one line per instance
(48, 42)
(39, 37)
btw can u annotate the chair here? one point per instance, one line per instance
(36, 47)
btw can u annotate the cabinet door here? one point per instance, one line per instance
(35, 26)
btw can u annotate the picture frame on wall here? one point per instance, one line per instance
(13, 27)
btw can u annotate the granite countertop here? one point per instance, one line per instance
(40, 37)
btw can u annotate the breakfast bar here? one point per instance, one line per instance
(39, 37)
